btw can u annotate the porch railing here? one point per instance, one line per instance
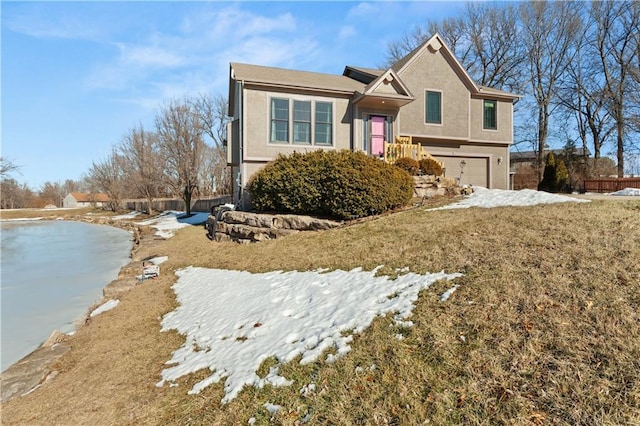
(404, 147)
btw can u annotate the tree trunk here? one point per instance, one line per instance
(620, 138)
(186, 196)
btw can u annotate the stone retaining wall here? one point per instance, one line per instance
(431, 186)
(246, 227)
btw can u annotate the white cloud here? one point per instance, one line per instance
(195, 56)
(148, 56)
(346, 32)
(366, 10)
(42, 27)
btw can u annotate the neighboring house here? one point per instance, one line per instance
(80, 199)
(425, 98)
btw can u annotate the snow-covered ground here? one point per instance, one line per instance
(488, 198)
(107, 306)
(169, 221)
(234, 320)
(628, 192)
(130, 215)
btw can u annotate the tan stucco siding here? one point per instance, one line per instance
(431, 71)
(494, 157)
(504, 132)
(257, 145)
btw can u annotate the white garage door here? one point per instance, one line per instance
(470, 170)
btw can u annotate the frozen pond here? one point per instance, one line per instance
(51, 273)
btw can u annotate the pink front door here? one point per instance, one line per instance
(377, 135)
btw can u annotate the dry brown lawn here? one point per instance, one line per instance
(544, 329)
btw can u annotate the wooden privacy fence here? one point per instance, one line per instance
(177, 204)
(610, 184)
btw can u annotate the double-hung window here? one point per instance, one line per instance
(490, 114)
(324, 123)
(433, 107)
(280, 120)
(301, 121)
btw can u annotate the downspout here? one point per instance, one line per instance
(240, 174)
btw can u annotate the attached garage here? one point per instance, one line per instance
(469, 169)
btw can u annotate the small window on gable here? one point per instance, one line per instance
(279, 120)
(433, 107)
(490, 121)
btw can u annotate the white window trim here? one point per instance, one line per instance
(424, 106)
(313, 100)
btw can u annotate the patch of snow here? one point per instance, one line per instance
(168, 222)
(272, 408)
(158, 260)
(489, 198)
(447, 294)
(130, 215)
(107, 306)
(234, 320)
(630, 192)
(26, 219)
(308, 390)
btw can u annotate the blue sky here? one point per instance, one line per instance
(76, 76)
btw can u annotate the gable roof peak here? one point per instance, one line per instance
(436, 43)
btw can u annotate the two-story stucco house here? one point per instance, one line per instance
(426, 98)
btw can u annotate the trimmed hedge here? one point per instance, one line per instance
(337, 184)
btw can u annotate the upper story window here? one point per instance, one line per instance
(301, 121)
(433, 107)
(490, 115)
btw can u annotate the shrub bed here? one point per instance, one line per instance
(337, 184)
(409, 165)
(429, 166)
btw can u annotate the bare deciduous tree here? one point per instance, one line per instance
(550, 32)
(180, 133)
(14, 195)
(143, 164)
(617, 27)
(53, 192)
(213, 112)
(7, 167)
(108, 177)
(582, 94)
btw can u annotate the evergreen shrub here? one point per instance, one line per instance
(429, 166)
(337, 184)
(409, 165)
(555, 177)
